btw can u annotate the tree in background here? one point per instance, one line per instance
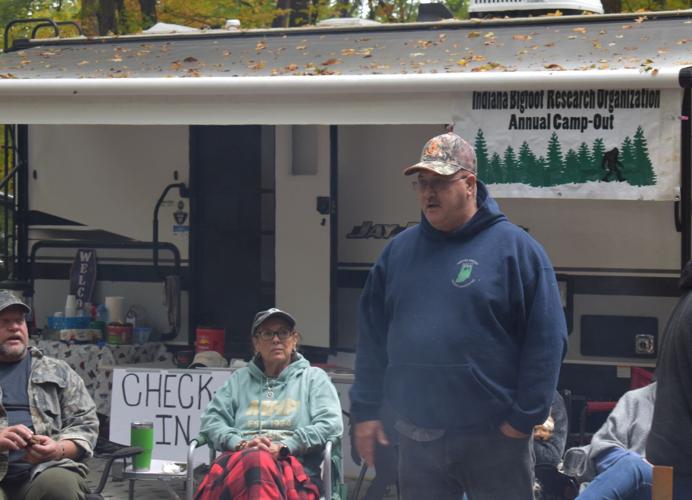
(100, 17)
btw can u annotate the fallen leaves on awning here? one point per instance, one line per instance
(256, 64)
(488, 67)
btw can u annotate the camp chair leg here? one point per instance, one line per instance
(662, 488)
(359, 481)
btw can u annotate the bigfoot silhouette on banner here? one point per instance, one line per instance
(611, 164)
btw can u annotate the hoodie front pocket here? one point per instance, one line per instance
(441, 397)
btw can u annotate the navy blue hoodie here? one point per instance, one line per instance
(461, 330)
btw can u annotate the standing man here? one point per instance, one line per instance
(461, 330)
(48, 420)
(670, 439)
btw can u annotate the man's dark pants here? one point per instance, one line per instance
(486, 465)
(57, 483)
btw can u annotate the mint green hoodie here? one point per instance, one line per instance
(303, 413)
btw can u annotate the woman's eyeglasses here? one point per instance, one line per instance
(268, 335)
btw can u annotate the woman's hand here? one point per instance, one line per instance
(266, 444)
(261, 442)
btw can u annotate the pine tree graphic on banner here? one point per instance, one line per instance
(496, 168)
(542, 167)
(597, 151)
(528, 164)
(554, 161)
(627, 158)
(585, 162)
(571, 172)
(644, 173)
(580, 166)
(512, 168)
(482, 163)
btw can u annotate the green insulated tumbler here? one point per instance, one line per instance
(142, 436)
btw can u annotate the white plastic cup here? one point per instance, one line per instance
(71, 306)
(116, 309)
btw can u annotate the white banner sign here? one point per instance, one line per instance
(580, 143)
(172, 399)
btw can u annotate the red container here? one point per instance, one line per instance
(210, 339)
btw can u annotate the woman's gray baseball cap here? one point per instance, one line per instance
(262, 316)
(9, 299)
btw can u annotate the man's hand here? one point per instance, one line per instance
(15, 437)
(511, 432)
(367, 433)
(42, 450)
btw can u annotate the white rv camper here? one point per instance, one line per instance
(277, 158)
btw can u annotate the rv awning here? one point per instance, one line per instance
(387, 74)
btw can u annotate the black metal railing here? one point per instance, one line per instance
(8, 201)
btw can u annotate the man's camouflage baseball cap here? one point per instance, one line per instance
(8, 299)
(445, 154)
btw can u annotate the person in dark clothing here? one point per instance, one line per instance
(461, 330)
(550, 438)
(670, 439)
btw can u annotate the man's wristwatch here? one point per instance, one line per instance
(284, 451)
(241, 446)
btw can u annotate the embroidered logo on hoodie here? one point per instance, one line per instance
(464, 276)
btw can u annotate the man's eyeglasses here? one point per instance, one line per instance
(268, 335)
(436, 184)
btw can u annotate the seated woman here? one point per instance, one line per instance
(614, 461)
(272, 419)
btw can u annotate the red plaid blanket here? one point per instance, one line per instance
(255, 474)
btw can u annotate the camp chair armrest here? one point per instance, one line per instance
(122, 453)
(327, 470)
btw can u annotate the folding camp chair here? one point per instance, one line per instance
(332, 477)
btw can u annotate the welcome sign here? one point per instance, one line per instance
(575, 143)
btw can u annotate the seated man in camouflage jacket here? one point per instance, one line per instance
(48, 420)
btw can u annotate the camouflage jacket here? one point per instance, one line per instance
(60, 408)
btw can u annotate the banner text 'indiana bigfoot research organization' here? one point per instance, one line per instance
(579, 143)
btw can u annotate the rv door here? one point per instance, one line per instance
(303, 225)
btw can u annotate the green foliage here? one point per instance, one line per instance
(392, 11)
(460, 8)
